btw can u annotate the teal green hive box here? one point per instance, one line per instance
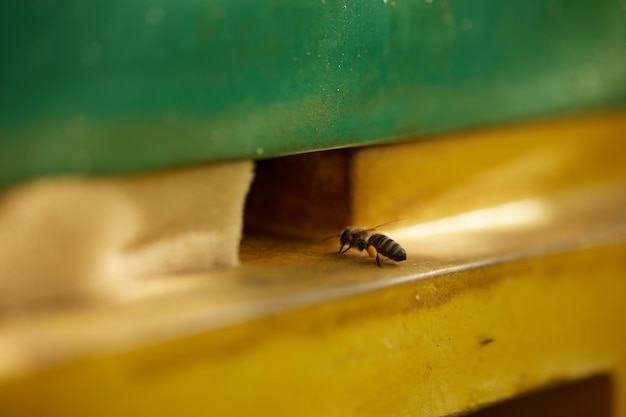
(118, 86)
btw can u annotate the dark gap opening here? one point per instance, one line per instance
(303, 196)
(591, 397)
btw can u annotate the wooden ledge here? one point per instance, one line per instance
(474, 316)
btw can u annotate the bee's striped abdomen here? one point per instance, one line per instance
(387, 247)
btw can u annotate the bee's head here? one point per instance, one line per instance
(343, 238)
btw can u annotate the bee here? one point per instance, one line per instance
(379, 244)
(376, 244)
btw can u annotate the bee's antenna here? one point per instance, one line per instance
(330, 237)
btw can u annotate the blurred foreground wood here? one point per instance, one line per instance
(494, 301)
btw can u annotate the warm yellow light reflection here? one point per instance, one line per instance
(518, 213)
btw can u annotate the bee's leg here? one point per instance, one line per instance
(347, 249)
(340, 250)
(377, 260)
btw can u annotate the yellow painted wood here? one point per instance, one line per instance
(472, 317)
(318, 194)
(421, 181)
(377, 354)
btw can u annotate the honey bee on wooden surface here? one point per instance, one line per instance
(379, 244)
(376, 244)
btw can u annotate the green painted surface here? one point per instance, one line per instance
(110, 86)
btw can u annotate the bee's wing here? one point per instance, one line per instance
(364, 232)
(380, 225)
